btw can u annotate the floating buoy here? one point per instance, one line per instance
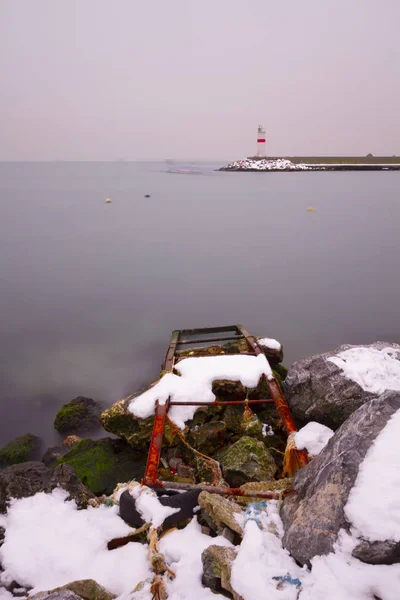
(108, 201)
(147, 196)
(310, 209)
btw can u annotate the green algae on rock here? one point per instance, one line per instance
(24, 448)
(246, 460)
(80, 414)
(101, 464)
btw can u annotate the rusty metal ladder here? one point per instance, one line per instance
(229, 333)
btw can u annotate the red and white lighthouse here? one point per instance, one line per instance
(261, 141)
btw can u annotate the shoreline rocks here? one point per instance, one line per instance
(318, 390)
(313, 517)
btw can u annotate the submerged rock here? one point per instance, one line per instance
(22, 449)
(101, 464)
(217, 569)
(80, 414)
(246, 460)
(318, 390)
(314, 515)
(86, 589)
(27, 479)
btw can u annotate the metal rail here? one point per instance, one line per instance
(281, 406)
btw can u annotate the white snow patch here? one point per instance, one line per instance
(267, 430)
(150, 507)
(374, 370)
(339, 576)
(195, 383)
(270, 343)
(313, 437)
(49, 543)
(261, 558)
(373, 506)
(182, 550)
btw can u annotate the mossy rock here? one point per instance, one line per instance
(80, 414)
(87, 589)
(24, 448)
(246, 460)
(208, 438)
(121, 422)
(281, 371)
(101, 464)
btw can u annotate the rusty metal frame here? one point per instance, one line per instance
(180, 337)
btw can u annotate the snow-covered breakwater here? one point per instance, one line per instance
(284, 164)
(278, 164)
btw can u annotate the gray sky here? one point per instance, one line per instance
(103, 79)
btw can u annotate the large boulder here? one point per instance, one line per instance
(101, 464)
(27, 479)
(24, 448)
(78, 415)
(246, 460)
(314, 515)
(317, 389)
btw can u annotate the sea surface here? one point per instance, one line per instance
(90, 292)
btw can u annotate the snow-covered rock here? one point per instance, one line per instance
(352, 483)
(265, 164)
(329, 387)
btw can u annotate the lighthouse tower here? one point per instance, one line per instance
(261, 141)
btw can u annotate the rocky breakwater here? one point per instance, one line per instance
(264, 164)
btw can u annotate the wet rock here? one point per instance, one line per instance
(26, 479)
(246, 460)
(80, 414)
(217, 568)
(209, 437)
(87, 589)
(22, 449)
(274, 352)
(52, 455)
(70, 441)
(219, 512)
(101, 464)
(63, 594)
(314, 515)
(378, 553)
(317, 389)
(121, 422)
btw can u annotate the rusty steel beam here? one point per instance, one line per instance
(251, 340)
(153, 457)
(214, 339)
(210, 330)
(170, 356)
(222, 491)
(224, 403)
(281, 406)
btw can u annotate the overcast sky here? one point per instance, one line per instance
(106, 79)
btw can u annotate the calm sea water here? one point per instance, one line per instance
(91, 291)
